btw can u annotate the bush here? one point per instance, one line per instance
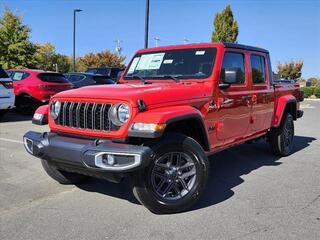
(308, 91)
(317, 92)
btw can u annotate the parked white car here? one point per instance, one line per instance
(6, 92)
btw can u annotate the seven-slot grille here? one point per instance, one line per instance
(91, 116)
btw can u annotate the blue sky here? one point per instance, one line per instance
(289, 29)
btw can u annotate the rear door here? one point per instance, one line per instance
(262, 93)
(234, 107)
(19, 81)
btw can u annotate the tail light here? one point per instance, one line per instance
(7, 84)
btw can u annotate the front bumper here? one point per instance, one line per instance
(87, 156)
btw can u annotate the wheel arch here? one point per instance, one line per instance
(191, 125)
(285, 104)
(180, 119)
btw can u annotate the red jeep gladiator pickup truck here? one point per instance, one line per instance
(173, 108)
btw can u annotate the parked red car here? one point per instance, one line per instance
(35, 87)
(173, 107)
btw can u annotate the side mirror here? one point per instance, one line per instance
(231, 75)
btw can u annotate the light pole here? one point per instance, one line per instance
(146, 29)
(74, 38)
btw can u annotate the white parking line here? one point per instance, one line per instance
(10, 140)
(306, 105)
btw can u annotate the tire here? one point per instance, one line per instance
(26, 105)
(176, 176)
(281, 139)
(62, 176)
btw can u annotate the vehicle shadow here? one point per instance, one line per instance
(121, 190)
(227, 167)
(14, 116)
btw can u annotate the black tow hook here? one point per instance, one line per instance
(98, 142)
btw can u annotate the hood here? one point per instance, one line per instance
(151, 94)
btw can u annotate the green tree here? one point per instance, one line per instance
(16, 51)
(47, 58)
(290, 70)
(225, 27)
(101, 59)
(314, 81)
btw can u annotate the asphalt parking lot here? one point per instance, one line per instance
(250, 195)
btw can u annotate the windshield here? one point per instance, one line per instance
(195, 63)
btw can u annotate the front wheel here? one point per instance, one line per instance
(281, 139)
(176, 177)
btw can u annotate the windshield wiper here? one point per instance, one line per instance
(173, 77)
(136, 76)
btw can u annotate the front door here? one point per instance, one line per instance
(233, 103)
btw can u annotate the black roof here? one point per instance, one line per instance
(244, 47)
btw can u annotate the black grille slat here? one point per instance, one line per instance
(60, 117)
(106, 124)
(67, 114)
(82, 115)
(97, 118)
(91, 116)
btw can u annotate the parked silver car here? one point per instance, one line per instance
(6, 92)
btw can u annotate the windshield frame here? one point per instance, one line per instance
(179, 76)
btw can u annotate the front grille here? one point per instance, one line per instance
(91, 116)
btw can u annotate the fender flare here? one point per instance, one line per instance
(281, 106)
(170, 115)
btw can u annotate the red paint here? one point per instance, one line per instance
(36, 88)
(232, 118)
(43, 110)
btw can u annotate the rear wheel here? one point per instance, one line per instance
(281, 139)
(62, 176)
(176, 177)
(26, 104)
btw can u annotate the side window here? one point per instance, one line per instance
(234, 61)
(17, 76)
(75, 78)
(258, 69)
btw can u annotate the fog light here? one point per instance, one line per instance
(109, 160)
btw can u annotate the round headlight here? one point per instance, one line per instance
(55, 109)
(119, 114)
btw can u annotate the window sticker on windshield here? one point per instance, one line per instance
(168, 61)
(200, 52)
(150, 61)
(133, 65)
